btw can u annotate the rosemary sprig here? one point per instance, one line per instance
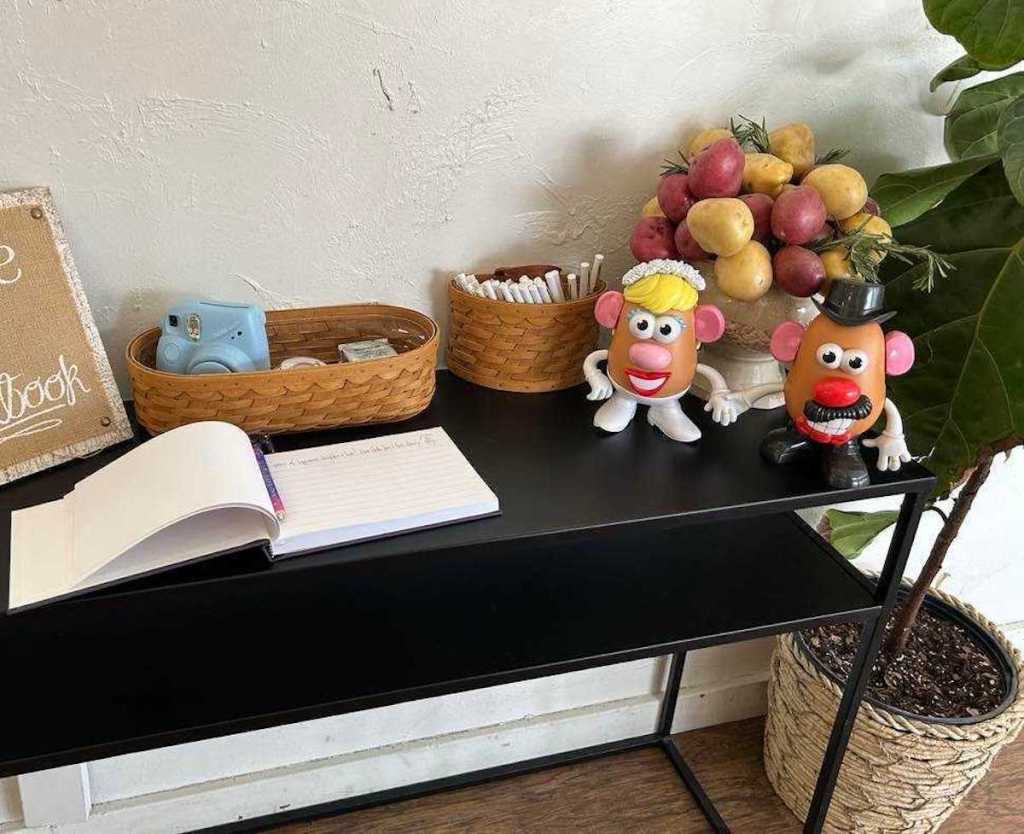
(831, 155)
(681, 167)
(749, 132)
(865, 251)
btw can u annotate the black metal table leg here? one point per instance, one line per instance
(664, 731)
(668, 699)
(860, 673)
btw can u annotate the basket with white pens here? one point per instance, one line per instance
(525, 328)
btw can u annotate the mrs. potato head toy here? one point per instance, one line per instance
(835, 389)
(657, 327)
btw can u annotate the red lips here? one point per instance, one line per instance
(646, 383)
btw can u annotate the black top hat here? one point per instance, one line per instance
(852, 302)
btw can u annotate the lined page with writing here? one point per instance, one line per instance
(372, 488)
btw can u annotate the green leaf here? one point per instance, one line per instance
(966, 391)
(973, 122)
(850, 532)
(963, 67)
(991, 31)
(1011, 146)
(906, 195)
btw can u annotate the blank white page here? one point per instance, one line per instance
(366, 489)
(190, 470)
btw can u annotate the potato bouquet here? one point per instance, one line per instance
(767, 210)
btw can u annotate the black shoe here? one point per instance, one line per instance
(844, 467)
(785, 444)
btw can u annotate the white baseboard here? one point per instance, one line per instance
(314, 782)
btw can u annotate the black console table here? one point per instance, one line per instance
(608, 549)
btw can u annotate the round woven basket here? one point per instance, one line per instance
(520, 347)
(901, 773)
(302, 399)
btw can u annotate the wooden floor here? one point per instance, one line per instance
(640, 791)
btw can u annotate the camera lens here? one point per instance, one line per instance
(172, 321)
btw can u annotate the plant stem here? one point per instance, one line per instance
(907, 613)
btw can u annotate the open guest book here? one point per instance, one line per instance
(197, 492)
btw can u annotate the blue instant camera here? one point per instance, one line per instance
(213, 337)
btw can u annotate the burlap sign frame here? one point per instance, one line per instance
(58, 399)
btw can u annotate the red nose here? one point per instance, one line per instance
(836, 391)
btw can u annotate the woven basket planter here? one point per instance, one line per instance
(520, 347)
(302, 399)
(901, 773)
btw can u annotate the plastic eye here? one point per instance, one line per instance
(667, 329)
(830, 355)
(641, 325)
(855, 362)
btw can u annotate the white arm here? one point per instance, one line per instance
(600, 385)
(718, 384)
(726, 406)
(891, 445)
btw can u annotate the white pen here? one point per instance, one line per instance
(595, 270)
(554, 283)
(542, 288)
(573, 288)
(584, 279)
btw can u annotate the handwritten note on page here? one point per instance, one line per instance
(367, 489)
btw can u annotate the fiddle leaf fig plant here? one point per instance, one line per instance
(963, 401)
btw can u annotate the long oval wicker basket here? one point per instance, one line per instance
(520, 347)
(302, 399)
(900, 774)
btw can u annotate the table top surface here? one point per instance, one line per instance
(554, 473)
(608, 548)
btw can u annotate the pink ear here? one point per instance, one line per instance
(786, 340)
(709, 323)
(899, 353)
(608, 307)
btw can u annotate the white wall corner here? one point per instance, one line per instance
(55, 797)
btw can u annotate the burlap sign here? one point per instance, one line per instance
(57, 394)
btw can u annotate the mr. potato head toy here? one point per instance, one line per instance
(835, 388)
(657, 327)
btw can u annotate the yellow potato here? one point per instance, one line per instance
(865, 221)
(840, 187)
(870, 223)
(720, 225)
(795, 144)
(747, 275)
(765, 174)
(705, 138)
(836, 261)
(652, 209)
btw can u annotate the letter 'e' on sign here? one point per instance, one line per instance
(58, 399)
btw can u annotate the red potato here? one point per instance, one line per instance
(871, 207)
(717, 171)
(674, 196)
(653, 237)
(798, 271)
(688, 248)
(798, 215)
(760, 206)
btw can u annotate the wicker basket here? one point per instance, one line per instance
(900, 773)
(520, 347)
(301, 399)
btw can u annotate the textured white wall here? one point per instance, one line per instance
(306, 151)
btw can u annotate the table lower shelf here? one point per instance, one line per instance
(205, 659)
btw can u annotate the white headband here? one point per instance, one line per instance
(663, 266)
